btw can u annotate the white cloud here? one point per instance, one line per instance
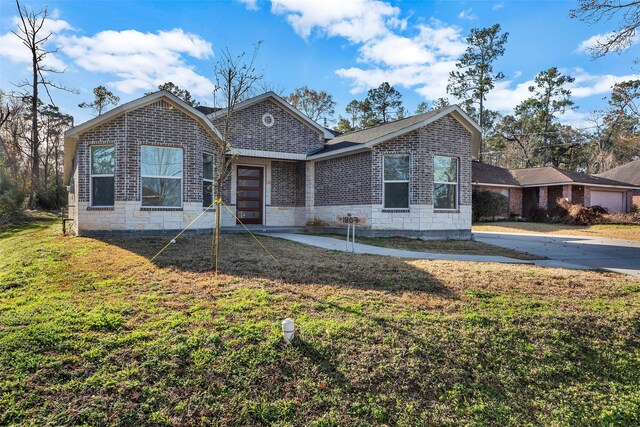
(497, 6)
(593, 42)
(443, 40)
(250, 4)
(467, 14)
(396, 50)
(11, 46)
(142, 61)
(587, 84)
(356, 20)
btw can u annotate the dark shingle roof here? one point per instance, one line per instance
(206, 110)
(629, 172)
(333, 132)
(482, 173)
(369, 134)
(552, 175)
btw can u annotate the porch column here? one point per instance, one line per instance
(310, 184)
(587, 196)
(566, 193)
(542, 197)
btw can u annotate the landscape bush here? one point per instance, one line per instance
(576, 214)
(11, 198)
(537, 214)
(488, 204)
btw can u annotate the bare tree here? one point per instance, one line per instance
(236, 76)
(316, 105)
(32, 35)
(594, 11)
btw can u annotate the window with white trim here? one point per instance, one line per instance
(207, 179)
(103, 169)
(161, 173)
(396, 181)
(445, 182)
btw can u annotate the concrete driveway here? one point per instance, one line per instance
(621, 256)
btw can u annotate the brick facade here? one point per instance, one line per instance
(158, 124)
(287, 184)
(286, 135)
(444, 137)
(295, 192)
(343, 181)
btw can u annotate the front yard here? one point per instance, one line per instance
(93, 333)
(613, 231)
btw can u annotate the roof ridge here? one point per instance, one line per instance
(387, 123)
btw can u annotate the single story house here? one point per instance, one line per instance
(629, 172)
(148, 165)
(543, 186)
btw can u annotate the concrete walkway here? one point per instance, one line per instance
(617, 255)
(334, 244)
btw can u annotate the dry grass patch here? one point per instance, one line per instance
(614, 231)
(461, 247)
(93, 333)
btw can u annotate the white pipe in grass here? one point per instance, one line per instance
(288, 329)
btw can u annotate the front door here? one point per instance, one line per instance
(249, 194)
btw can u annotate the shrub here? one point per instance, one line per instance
(51, 199)
(488, 204)
(568, 213)
(11, 198)
(537, 214)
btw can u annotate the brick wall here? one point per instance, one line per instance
(288, 134)
(156, 124)
(343, 180)
(444, 137)
(287, 183)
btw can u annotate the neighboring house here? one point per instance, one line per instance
(543, 186)
(629, 172)
(148, 165)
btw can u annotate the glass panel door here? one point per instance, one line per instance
(249, 194)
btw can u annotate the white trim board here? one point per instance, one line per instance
(454, 110)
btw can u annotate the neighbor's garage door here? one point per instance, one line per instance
(612, 200)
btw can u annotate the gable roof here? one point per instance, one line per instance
(366, 138)
(281, 102)
(482, 173)
(71, 136)
(629, 172)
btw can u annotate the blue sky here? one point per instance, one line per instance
(341, 46)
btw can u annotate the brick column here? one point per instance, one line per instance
(587, 196)
(542, 197)
(566, 193)
(310, 182)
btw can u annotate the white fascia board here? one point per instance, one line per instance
(384, 138)
(624, 187)
(267, 154)
(294, 111)
(495, 185)
(341, 152)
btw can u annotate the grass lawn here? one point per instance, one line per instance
(614, 231)
(462, 247)
(92, 333)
